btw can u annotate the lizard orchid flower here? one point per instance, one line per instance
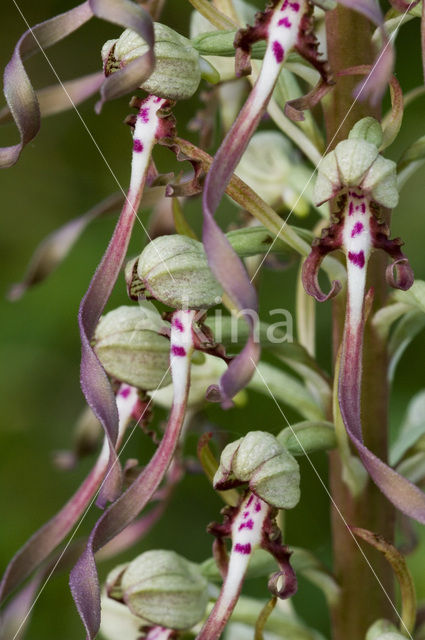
(286, 26)
(366, 184)
(84, 581)
(273, 479)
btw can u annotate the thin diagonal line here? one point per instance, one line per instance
(91, 136)
(316, 168)
(78, 525)
(337, 509)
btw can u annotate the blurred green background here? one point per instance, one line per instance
(60, 175)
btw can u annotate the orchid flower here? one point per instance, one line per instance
(286, 26)
(273, 479)
(84, 581)
(365, 183)
(46, 539)
(23, 101)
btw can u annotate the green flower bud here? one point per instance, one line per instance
(271, 167)
(356, 163)
(308, 437)
(174, 270)
(259, 460)
(128, 344)
(177, 72)
(117, 622)
(163, 588)
(367, 129)
(383, 630)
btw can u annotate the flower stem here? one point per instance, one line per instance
(362, 599)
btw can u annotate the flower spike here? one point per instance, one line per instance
(282, 27)
(368, 182)
(84, 580)
(94, 382)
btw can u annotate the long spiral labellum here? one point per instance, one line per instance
(46, 539)
(20, 95)
(358, 241)
(84, 580)
(281, 27)
(94, 381)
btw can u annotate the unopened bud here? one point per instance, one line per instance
(356, 163)
(128, 344)
(272, 168)
(307, 437)
(177, 72)
(163, 588)
(383, 630)
(259, 460)
(174, 270)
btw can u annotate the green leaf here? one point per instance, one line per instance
(412, 429)
(308, 437)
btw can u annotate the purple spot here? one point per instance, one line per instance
(353, 194)
(363, 207)
(295, 6)
(245, 549)
(250, 501)
(245, 514)
(157, 99)
(357, 258)
(278, 51)
(350, 209)
(124, 393)
(249, 524)
(137, 145)
(285, 5)
(144, 114)
(178, 325)
(258, 506)
(357, 229)
(284, 22)
(178, 351)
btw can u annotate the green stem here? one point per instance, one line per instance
(362, 599)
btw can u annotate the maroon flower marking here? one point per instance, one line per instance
(178, 351)
(357, 229)
(137, 146)
(357, 258)
(278, 51)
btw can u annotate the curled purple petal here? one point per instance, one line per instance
(310, 276)
(402, 493)
(83, 580)
(400, 275)
(20, 95)
(132, 16)
(46, 539)
(94, 381)
(60, 97)
(223, 261)
(330, 240)
(56, 246)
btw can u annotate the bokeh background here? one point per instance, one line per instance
(60, 175)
